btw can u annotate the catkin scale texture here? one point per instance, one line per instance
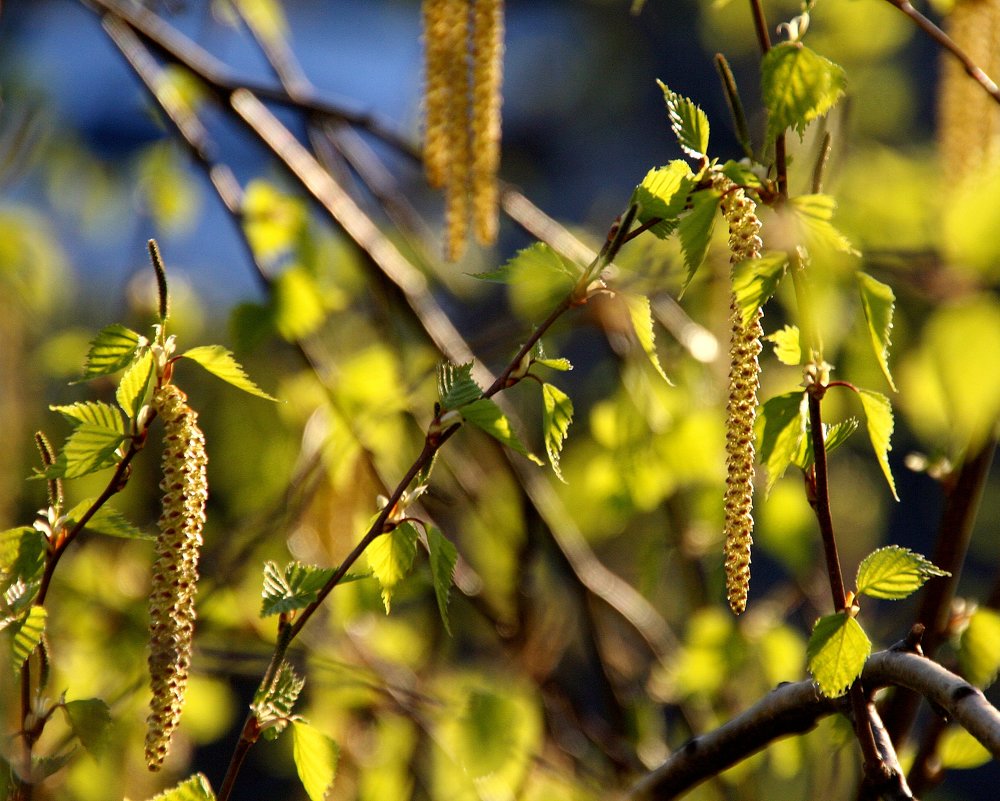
(739, 212)
(175, 571)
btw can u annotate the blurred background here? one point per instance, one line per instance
(585, 697)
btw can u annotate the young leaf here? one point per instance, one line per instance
(833, 437)
(742, 174)
(641, 315)
(894, 573)
(443, 557)
(134, 390)
(787, 345)
(797, 86)
(88, 449)
(782, 426)
(878, 301)
(221, 363)
(22, 555)
(274, 707)
(878, 415)
(562, 365)
(391, 557)
(538, 257)
(107, 521)
(662, 195)
(316, 757)
(295, 588)
(814, 214)
(110, 351)
(194, 788)
(456, 387)
(837, 651)
(756, 280)
(689, 123)
(557, 414)
(959, 750)
(96, 412)
(486, 415)
(979, 648)
(90, 720)
(695, 230)
(27, 635)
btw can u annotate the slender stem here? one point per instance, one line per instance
(247, 739)
(764, 40)
(821, 503)
(760, 25)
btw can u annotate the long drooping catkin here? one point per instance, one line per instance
(175, 572)
(487, 77)
(741, 409)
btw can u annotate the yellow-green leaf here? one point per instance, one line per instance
(316, 757)
(688, 121)
(135, 388)
(837, 651)
(390, 557)
(557, 414)
(221, 363)
(797, 86)
(878, 301)
(273, 221)
(878, 417)
(27, 634)
(781, 426)
(296, 303)
(756, 280)
(107, 521)
(456, 386)
(96, 412)
(443, 557)
(484, 414)
(695, 229)
(787, 345)
(295, 587)
(22, 552)
(979, 648)
(662, 196)
(641, 315)
(90, 720)
(815, 214)
(194, 788)
(88, 449)
(110, 351)
(959, 750)
(894, 573)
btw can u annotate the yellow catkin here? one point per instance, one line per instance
(436, 89)
(968, 118)
(487, 78)
(175, 571)
(456, 188)
(744, 348)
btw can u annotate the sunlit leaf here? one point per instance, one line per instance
(107, 521)
(96, 412)
(443, 557)
(557, 414)
(295, 587)
(663, 195)
(833, 437)
(688, 122)
(797, 86)
(782, 425)
(787, 345)
(486, 415)
(273, 220)
(979, 648)
(390, 557)
(837, 651)
(756, 280)
(742, 174)
(815, 214)
(110, 351)
(316, 757)
(878, 416)
(456, 387)
(695, 229)
(134, 389)
(221, 363)
(164, 186)
(537, 258)
(27, 634)
(88, 449)
(959, 750)
(22, 554)
(894, 573)
(274, 707)
(878, 301)
(641, 315)
(194, 788)
(90, 720)
(562, 365)
(297, 304)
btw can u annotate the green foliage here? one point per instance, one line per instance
(781, 424)
(136, 385)
(688, 122)
(456, 387)
(695, 229)
(485, 415)
(787, 344)
(878, 301)
(316, 757)
(959, 750)
(894, 573)
(443, 557)
(195, 788)
(557, 414)
(814, 214)
(641, 315)
(89, 448)
(27, 634)
(797, 86)
(979, 648)
(100, 414)
(294, 588)
(837, 652)
(22, 552)
(222, 364)
(391, 557)
(879, 420)
(106, 521)
(90, 720)
(273, 707)
(756, 280)
(663, 195)
(110, 351)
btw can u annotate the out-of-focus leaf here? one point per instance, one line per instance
(797, 86)
(194, 788)
(297, 304)
(959, 750)
(878, 301)
(815, 214)
(222, 364)
(979, 648)
(837, 651)
(273, 220)
(90, 720)
(316, 757)
(641, 315)
(537, 258)
(165, 187)
(894, 573)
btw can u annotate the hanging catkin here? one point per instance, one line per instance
(463, 46)
(741, 409)
(175, 572)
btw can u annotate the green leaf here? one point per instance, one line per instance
(814, 214)
(195, 788)
(456, 386)
(90, 720)
(878, 301)
(391, 558)
(756, 280)
(663, 195)
(27, 634)
(273, 220)
(562, 365)
(742, 174)
(797, 86)
(695, 230)
(294, 588)
(110, 351)
(443, 557)
(22, 555)
(88, 449)
(688, 122)
(135, 388)
(96, 412)
(787, 345)
(979, 648)
(782, 426)
(894, 573)
(316, 757)
(221, 363)
(296, 303)
(959, 750)
(557, 414)
(878, 415)
(536, 258)
(641, 315)
(273, 708)
(107, 521)
(837, 651)
(833, 437)
(486, 415)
